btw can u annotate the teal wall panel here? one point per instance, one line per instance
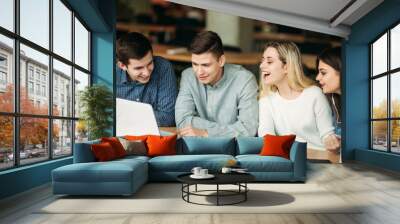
(24, 178)
(356, 85)
(379, 159)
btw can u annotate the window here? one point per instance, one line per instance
(385, 94)
(3, 61)
(35, 22)
(37, 74)
(44, 91)
(43, 77)
(39, 80)
(7, 73)
(30, 73)
(3, 71)
(38, 89)
(62, 30)
(30, 87)
(81, 45)
(81, 81)
(55, 102)
(7, 14)
(3, 77)
(62, 75)
(3, 81)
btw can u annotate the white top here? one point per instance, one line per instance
(309, 117)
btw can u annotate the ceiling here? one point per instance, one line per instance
(333, 17)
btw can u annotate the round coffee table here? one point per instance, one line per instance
(238, 179)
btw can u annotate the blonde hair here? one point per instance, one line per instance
(289, 54)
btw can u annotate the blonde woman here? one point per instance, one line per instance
(290, 103)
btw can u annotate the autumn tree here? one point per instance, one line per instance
(6, 122)
(380, 127)
(33, 130)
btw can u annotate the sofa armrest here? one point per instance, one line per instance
(298, 155)
(83, 152)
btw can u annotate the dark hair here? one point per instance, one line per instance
(332, 57)
(207, 41)
(132, 46)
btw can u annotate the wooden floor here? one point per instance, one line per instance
(377, 188)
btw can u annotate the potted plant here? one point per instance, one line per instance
(97, 104)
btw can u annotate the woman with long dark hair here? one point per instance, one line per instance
(329, 65)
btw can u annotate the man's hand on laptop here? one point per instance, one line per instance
(190, 131)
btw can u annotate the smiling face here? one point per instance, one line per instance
(273, 70)
(207, 67)
(328, 78)
(139, 69)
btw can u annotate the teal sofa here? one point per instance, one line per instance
(125, 176)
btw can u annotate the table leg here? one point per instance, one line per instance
(188, 192)
(245, 191)
(217, 194)
(182, 190)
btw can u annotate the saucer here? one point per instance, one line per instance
(208, 176)
(240, 171)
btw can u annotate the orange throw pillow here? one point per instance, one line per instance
(116, 145)
(161, 145)
(103, 151)
(136, 138)
(277, 145)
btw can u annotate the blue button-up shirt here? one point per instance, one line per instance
(160, 91)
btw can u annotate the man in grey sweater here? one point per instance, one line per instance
(215, 99)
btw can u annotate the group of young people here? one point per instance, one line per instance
(220, 99)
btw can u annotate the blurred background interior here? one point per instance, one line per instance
(171, 27)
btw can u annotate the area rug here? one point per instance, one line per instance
(167, 198)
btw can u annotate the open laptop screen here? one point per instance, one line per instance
(134, 118)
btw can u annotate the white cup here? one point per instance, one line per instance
(203, 172)
(196, 170)
(226, 170)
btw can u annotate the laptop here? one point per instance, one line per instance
(135, 118)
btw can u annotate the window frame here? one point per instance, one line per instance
(16, 115)
(388, 74)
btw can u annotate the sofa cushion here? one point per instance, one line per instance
(111, 171)
(185, 163)
(136, 137)
(249, 145)
(277, 145)
(257, 163)
(161, 145)
(134, 147)
(116, 145)
(103, 151)
(201, 145)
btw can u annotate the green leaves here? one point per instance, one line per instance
(97, 104)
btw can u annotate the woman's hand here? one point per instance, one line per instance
(332, 143)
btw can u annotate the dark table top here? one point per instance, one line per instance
(220, 178)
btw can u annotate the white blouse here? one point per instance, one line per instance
(309, 117)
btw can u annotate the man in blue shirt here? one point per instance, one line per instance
(145, 78)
